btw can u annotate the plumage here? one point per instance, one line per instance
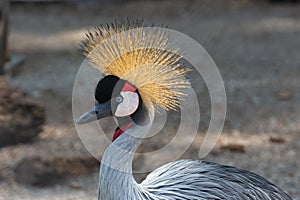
(180, 180)
(142, 57)
(195, 179)
(154, 76)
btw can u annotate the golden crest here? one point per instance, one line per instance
(143, 58)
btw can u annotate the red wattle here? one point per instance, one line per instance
(121, 130)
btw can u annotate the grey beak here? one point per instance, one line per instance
(99, 111)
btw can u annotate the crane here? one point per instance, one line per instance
(137, 81)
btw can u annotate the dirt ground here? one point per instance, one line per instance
(255, 46)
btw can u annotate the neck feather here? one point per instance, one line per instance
(115, 177)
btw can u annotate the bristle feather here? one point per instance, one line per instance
(156, 72)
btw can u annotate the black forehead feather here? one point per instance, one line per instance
(108, 87)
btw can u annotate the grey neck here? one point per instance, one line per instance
(115, 178)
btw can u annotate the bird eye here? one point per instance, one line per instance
(119, 99)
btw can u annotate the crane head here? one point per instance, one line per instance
(141, 65)
(114, 97)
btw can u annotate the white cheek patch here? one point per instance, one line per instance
(129, 104)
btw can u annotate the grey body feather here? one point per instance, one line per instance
(179, 180)
(196, 179)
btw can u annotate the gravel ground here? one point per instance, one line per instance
(256, 48)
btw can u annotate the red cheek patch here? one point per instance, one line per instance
(128, 88)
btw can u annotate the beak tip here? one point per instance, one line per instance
(97, 112)
(85, 118)
(78, 121)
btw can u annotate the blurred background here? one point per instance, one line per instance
(255, 45)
